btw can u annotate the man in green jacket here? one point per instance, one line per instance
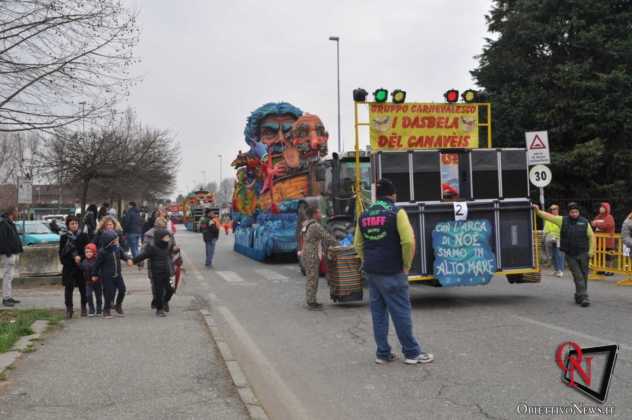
(552, 242)
(578, 243)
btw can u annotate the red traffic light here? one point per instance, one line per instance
(452, 96)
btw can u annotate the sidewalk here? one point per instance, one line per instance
(136, 367)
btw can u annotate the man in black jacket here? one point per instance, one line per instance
(71, 248)
(10, 248)
(133, 228)
(159, 253)
(210, 234)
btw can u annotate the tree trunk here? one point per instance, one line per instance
(84, 197)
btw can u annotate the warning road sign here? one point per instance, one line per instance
(537, 148)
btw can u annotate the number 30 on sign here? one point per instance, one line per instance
(540, 176)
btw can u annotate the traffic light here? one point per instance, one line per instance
(359, 95)
(399, 96)
(380, 95)
(452, 96)
(469, 96)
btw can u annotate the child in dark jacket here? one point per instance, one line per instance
(94, 288)
(159, 254)
(108, 268)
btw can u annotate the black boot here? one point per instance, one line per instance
(68, 313)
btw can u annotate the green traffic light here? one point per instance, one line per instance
(380, 95)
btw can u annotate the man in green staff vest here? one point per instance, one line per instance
(578, 243)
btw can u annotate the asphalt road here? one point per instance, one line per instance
(494, 345)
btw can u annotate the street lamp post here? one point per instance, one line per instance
(337, 40)
(219, 184)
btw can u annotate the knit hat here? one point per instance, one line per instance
(91, 247)
(573, 206)
(385, 188)
(106, 238)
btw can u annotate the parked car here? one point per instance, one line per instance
(59, 218)
(35, 232)
(56, 222)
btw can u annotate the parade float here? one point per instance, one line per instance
(276, 178)
(194, 205)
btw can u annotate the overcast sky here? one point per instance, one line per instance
(207, 64)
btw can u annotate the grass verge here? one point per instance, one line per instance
(17, 323)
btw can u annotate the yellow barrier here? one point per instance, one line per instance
(608, 259)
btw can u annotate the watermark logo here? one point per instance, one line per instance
(571, 361)
(588, 370)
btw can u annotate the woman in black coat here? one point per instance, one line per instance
(71, 245)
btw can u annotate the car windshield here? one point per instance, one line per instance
(33, 228)
(347, 176)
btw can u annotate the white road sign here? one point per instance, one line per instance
(537, 148)
(25, 191)
(540, 176)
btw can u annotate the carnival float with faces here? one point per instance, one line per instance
(272, 177)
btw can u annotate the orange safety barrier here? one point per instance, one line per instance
(614, 260)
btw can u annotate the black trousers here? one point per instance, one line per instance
(72, 280)
(110, 287)
(162, 290)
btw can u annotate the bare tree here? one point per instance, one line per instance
(17, 151)
(63, 60)
(124, 162)
(225, 193)
(210, 187)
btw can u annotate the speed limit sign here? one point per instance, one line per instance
(540, 176)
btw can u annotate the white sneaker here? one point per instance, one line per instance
(559, 274)
(422, 358)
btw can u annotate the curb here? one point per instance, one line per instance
(23, 345)
(255, 410)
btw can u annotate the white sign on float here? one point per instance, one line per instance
(460, 210)
(537, 148)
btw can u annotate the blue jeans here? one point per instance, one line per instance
(96, 290)
(558, 259)
(133, 240)
(389, 294)
(210, 251)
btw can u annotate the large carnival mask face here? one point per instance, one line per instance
(309, 136)
(273, 132)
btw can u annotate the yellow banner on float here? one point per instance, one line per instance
(413, 126)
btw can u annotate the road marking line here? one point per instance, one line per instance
(272, 275)
(274, 384)
(573, 332)
(230, 276)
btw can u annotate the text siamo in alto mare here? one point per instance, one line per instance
(463, 253)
